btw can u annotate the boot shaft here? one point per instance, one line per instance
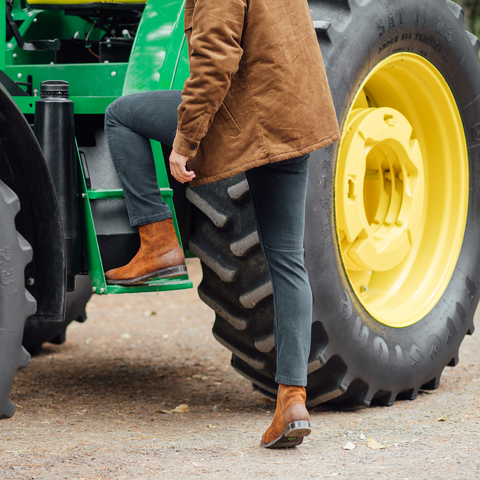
(158, 237)
(291, 403)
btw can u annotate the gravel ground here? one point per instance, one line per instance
(93, 408)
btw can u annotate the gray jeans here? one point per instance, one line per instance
(278, 191)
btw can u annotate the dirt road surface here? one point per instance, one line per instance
(92, 408)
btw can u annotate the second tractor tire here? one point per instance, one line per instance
(16, 303)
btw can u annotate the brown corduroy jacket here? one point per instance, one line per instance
(257, 91)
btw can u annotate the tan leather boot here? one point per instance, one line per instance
(291, 421)
(160, 255)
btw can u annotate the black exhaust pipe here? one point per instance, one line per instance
(55, 132)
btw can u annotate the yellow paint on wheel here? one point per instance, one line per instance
(401, 189)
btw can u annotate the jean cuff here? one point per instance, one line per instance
(152, 219)
(297, 382)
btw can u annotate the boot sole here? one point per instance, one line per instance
(169, 272)
(291, 436)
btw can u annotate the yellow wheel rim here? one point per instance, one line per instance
(401, 189)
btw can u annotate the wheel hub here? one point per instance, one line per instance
(382, 189)
(401, 189)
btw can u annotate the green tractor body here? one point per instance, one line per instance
(121, 65)
(392, 208)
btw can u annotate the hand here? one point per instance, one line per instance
(178, 167)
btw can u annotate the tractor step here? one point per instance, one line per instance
(94, 259)
(155, 285)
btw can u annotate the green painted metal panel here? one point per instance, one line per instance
(85, 79)
(90, 242)
(182, 71)
(14, 54)
(157, 61)
(42, 25)
(95, 194)
(172, 58)
(160, 22)
(183, 45)
(163, 285)
(81, 104)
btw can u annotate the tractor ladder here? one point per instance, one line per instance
(92, 249)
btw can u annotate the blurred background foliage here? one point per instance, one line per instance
(472, 15)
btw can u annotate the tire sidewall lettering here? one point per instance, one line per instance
(380, 351)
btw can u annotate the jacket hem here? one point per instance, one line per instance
(258, 163)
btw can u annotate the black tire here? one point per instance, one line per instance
(354, 358)
(36, 332)
(16, 304)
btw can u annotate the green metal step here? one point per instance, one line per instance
(156, 285)
(94, 260)
(96, 193)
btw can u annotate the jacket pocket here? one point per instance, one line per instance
(229, 119)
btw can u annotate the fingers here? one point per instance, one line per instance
(178, 167)
(182, 174)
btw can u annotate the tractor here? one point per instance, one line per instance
(392, 237)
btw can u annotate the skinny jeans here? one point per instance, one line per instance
(278, 192)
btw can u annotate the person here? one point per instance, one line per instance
(257, 101)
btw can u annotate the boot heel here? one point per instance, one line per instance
(291, 436)
(300, 428)
(170, 272)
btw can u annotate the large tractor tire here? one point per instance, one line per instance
(16, 304)
(393, 212)
(37, 332)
